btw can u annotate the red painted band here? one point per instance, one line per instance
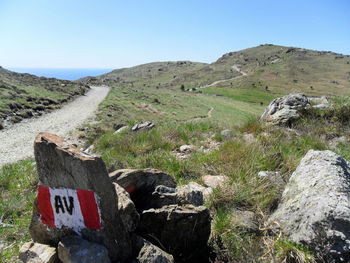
(45, 208)
(130, 189)
(89, 209)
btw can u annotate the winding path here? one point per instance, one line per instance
(235, 67)
(16, 142)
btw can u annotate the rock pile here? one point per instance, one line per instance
(82, 214)
(283, 111)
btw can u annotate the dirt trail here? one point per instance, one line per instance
(235, 67)
(16, 142)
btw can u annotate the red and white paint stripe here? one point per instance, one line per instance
(71, 208)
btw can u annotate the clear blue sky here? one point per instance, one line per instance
(114, 34)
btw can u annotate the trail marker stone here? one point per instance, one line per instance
(75, 197)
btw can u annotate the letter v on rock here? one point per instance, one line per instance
(72, 208)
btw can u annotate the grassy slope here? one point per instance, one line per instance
(152, 92)
(23, 93)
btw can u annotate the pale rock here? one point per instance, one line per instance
(284, 110)
(215, 181)
(31, 252)
(315, 208)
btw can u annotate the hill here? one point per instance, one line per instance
(237, 86)
(206, 120)
(25, 95)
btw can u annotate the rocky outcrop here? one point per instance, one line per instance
(315, 207)
(75, 196)
(73, 249)
(283, 111)
(37, 253)
(182, 231)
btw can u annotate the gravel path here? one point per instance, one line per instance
(235, 67)
(16, 142)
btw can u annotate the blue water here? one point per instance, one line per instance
(62, 73)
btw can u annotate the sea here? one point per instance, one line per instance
(62, 73)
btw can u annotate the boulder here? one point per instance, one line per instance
(75, 196)
(315, 208)
(284, 110)
(140, 184)
(126, 209)
(215, 181)
(147, 125)
(182, 231)
(73, 249)
(186, 148)
(146, 252)
(32, 252)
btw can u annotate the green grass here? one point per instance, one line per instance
(17, 191)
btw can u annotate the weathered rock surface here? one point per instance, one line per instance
(284, 110)
(32, 252)
(147, 125)
(63, 170)
(215, 181)
(315, 207)
(126, 209)
(140, 184)
(182, 231)
(148, 253)
(183, 195)
(73, 249)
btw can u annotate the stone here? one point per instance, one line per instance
(228, 134)
(186, 148)
(146, 252)
(147, 125)
(215, 181)
(182, 231)
(190, 194)
(90, 149)
(126, 209)
(31, 252)
(285, 110)
(74, 249)
(75, 196)
(140, 184)
(315, 208)
(183, 195)
(123, 128)
(321, 106)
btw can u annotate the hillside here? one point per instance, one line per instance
(24, 95)
(237, 86)
(205, 124)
